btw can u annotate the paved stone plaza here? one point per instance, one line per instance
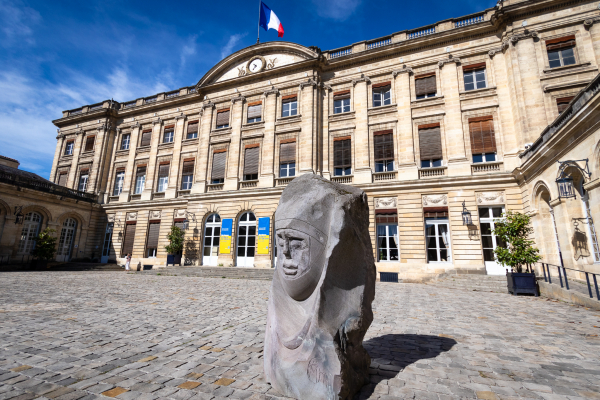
(82, 335)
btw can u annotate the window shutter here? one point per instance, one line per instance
(223, 117)
(192, 127)
(251, 160)
(288, 98)
(342, 156)
(218, 166)
(255, 111)
(62, 179)
(425, 85)
(89, 143)
(141, 171)
(163, 170)
(146, 137)
(128, 241)
(188, 168)
(430, 143)
(563, 103)
(473, 67)
(384, 146)
(560, 43)
(483, 139)
(153, 232)
(287, 152)
(382, 85)
(343, 94)
(179, 224)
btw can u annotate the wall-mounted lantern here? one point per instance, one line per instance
(566, 188)
(466, 215)
(19, 216)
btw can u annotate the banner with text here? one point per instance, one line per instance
(225, 241)
(264, 230)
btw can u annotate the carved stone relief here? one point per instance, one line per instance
(435, 200)
(132, 216)
(110, 218)
(386, 202)
(180, 213)
(490, 198)
(154, 215)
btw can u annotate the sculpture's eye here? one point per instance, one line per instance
(297, 244)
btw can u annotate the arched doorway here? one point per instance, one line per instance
(65, 243)
(212, 234)
(31, 228)
(246, 239)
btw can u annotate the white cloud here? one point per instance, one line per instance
(233, 40)
(336, 9)
(189, 49)
(16, 22)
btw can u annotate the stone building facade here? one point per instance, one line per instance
(430, 122)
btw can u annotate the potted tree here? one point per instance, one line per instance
(518, 252)
(175, 247)
(45, 247)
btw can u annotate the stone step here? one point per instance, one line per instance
(483, 283)
(216, 272)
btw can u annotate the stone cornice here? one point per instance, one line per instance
(362, 78)
(590, 21)
(239, 98)
(273, 90)
(501, 49)
(449, 60)
(311, 82)
(157, 121)
(404, 69)
(208, 104)
(181, 116)
(522, 36)
(136, 124)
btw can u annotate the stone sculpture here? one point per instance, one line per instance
(322, 290)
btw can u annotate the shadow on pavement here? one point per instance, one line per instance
(52, 267)
(391, 353)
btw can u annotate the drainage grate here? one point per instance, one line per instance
(388, 277)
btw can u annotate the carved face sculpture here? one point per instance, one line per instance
(299, 257)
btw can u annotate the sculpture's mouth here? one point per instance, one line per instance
(290, 268)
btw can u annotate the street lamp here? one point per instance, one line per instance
(466, 215)
(566, 188)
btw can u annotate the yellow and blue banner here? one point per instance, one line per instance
(264, 230)
(225, 241)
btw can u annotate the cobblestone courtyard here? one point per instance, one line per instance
(74, 335)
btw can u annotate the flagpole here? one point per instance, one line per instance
(258, 33)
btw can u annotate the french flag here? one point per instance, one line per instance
(268, 20)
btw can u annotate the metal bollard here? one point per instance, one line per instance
(560, 277)
(566, 281)
(587, 278)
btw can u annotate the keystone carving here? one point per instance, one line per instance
(590, 21)
(180, 213)
(131, 216)
(449, 60)
(386, 202)
(522, 36)
(154, 214)
(241, 71)
(271, 63)
(490, 198)
(404, 69)
(110, 218)
(435, 200)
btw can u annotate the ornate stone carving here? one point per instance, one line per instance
(110, 218)
(271, 63)
(311, 82)
(136, 124)
(449, 60)
(238, 98)
(386, 202)
(522, 36)
(131, 216)
(490, 198)
(404, 70)
(180, 116)
(241, 71)
(501, 49)
(273, 90)
(154, 214)
(362, 78)
(180, 213)
(320, 303)
(435, 200)
(158, 121)
(208, 104)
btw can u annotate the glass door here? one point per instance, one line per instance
(387, 242)
(212, 235)
(437, 231)
(246, 240)
(107, 243)
(487, 218)
(65, 243)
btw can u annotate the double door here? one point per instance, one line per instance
(212, 235)
(488, 216)
(246, 240)
(437, 232)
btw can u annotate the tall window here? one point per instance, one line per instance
(223, 119)
(341, 102)
(254, 111)
(483, 140)
(169, 134)
(163, 177)
(342, 156)
(437, 235)
(384, 151)
(289, 105)
(62, 179)
(475, 76)
(125, 141)
(119, 178)
(187, 174)
(251, 157)
(83, 180)
(89, 143)
(561, 51)
(287, 158)
(382, 94)
(192, 130)
(425, 85)
(430, 145)
(67, 234)
(146, 137)
(152, 241)
(69, 148)
(31, 228)
(387, 235)
(246, 240)
(128, 239)
(218, 166)
(212, 235)
(140, 179)
(563, 103)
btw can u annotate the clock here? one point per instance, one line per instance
(256, 64)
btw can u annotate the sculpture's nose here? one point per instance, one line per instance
(286, 248)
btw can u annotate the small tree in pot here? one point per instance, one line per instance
(45, 247)
(175, 247)
(518, 251)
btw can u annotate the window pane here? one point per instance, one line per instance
(252, 229)
(251, 241)
(568, 60)
(217, 231)
(241, 251)
(392, 230)
(387, 97)
(490, 157)
(250, 252)
(484, 212)
(242, 241)
(432, 255)
(477, 158)
(283, 170)
(348, 171)
(488, 255)
(431, 242)
(379, 167)
(486, 242)
(496, 212)
(338, 171)
(381, 230)
(390, 165)
(443, 255)
(437, 163)
(242, 231)
(382, 255)
(425, 163)
(207, 241)
(393, 254)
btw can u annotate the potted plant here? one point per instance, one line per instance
(175, 247)
(518, 252)
(45, 247)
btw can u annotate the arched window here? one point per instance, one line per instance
(31, 228)
(65, 243)
(246, 239)
(212, 234)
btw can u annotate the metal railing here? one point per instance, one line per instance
(130, 104)
(152, 99)
(172, 94)
(547, 268)
(96, 107)
(340, 53)
(45, 186)
(421, 33)
(76, 112)
(469, 21)
(379, 43)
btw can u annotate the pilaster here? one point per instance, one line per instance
(60, 143)
(171, 192)
(233, 155)
(362, 161)
(307, 142)
(267, 175)
(203, 148)
(75, 160)
(405, 155)
(151, 170)
(133, 142)
(325, 142)
(99, 151)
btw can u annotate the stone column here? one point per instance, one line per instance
(60, 139)
(267, 175)
(200, 177)
(102, 136)
(361, 146)
(175, 162)
(594, 39)
(405, 156)
(75, 160)
(231, 176)
(534, 109)
(325, 142)
(105, 163)
(306, 146)
(133, 142)
(458, 163)
(150, 171)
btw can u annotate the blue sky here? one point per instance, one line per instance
(57, 55)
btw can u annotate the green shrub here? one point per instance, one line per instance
(45, 245)
(175, 240)
(518, 252)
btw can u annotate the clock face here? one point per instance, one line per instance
(255, 65)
